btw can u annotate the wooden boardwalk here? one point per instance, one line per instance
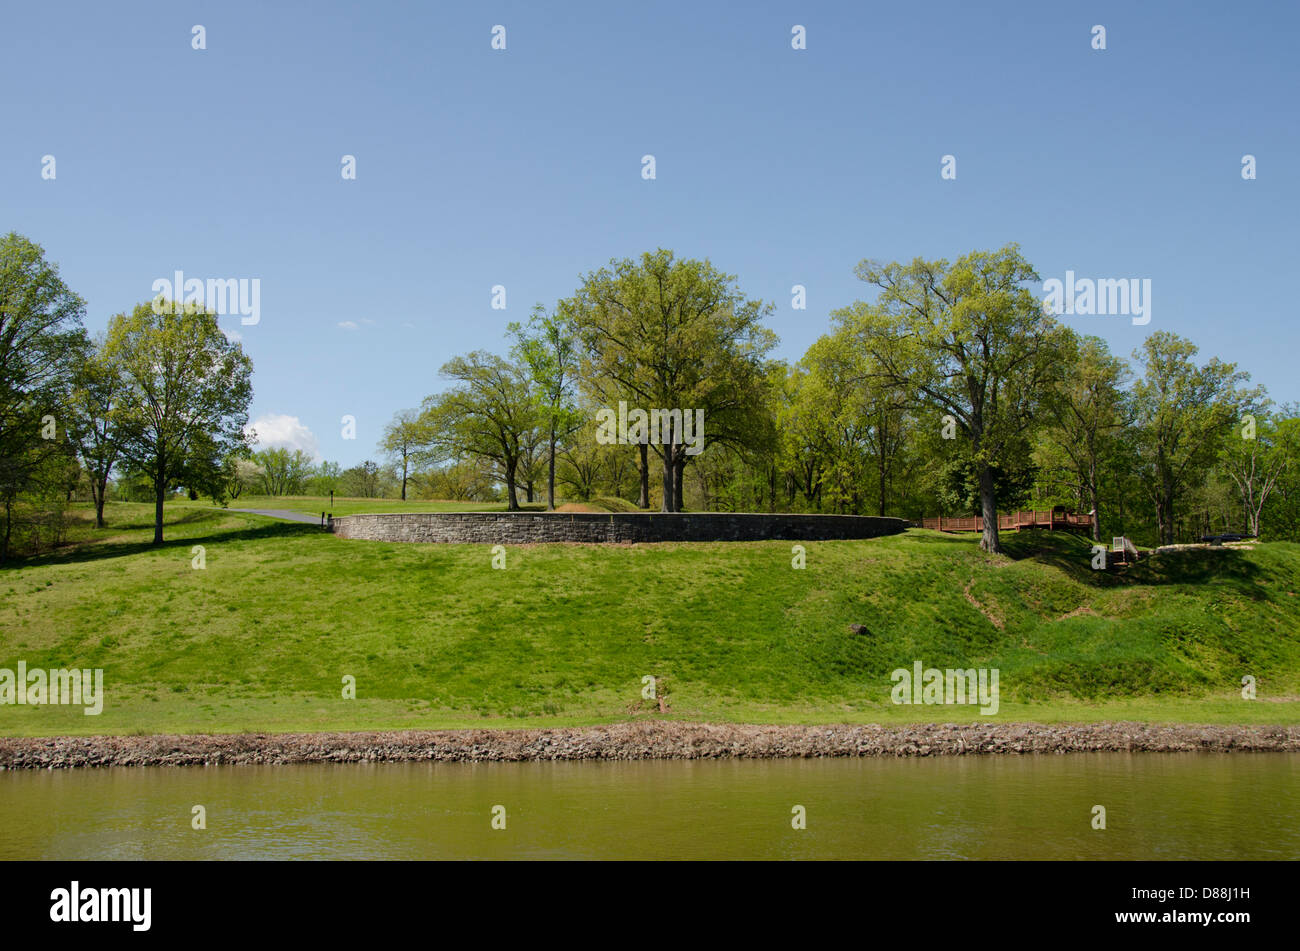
(1052, 520)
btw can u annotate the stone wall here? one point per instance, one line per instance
(521, 528)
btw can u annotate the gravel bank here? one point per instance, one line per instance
(643, 740)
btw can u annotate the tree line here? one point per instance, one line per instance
(950, 390)
(161, 398)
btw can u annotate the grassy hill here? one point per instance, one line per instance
(262, 637)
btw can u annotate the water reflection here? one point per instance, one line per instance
(1166, 806)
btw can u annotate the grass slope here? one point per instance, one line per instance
(261, 638)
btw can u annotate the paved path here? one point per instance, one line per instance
(284, 514)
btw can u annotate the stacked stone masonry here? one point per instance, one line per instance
(523, 528)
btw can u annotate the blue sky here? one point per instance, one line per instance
(522, 167)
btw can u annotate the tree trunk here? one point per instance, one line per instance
(550, 474)
(404, 471)
(989, 541)
(679, 469)
(644, 500)
(512, 494)
(1165, 515)
(1096, 500)
(99, 499)
(159, 490)
(9, 521)
(669, 502)
(883, 469)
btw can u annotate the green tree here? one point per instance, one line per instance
(1281, 510)
(1182, 414)
(967, 341)
(363, 481)
(532, 460)
(463, 481)
(547, 347)
(675, 334)
(801, 418)
(97, 391)
(1255, 459)
(41, 343)
(284, 471)
(583, 462)
(242, 474)
(487, 415)
(1087, 412)
(404, 440)
(833, 393)
(185, 403)
(325, 478)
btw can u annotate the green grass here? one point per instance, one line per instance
(606, 503)
(261, 639)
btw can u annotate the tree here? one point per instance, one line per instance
(674, 335)
(363, 481)
(1087, 412)
(463, 481)
(243, 474)
(832, 394)
(583, 463)
(532, 458)
(1255, 460)
(41, 339)
(487, 416)
(92, 420)
(619, 468)
(404, 438)
(805, 438)
(966, 341)
(1182, 415)
(284, 471)
(325, 478)
(546, 346)
(1282, 509)
(185, 403)
(887, 432)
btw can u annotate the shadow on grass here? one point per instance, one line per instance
(97, 551)
(1072, 555)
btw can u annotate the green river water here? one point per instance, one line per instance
(1161, 806)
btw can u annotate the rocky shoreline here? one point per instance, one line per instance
(639, 741)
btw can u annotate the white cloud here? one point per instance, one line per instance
(278, 431)
(347, 325)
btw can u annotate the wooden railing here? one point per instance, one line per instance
(1028, 518)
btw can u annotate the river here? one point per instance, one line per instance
(1160, 806)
